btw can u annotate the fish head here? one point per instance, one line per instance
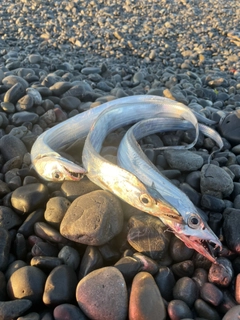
(197, 235)
(55, 168)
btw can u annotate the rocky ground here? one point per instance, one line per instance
(60, 58)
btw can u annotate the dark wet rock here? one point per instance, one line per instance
(215, 181)
(185, 289)
(3, 287)
(107, 291)
(227, 303)
(12, 164)
(108, 252)
(165, 281)
(46, 263)
(24, 116)
(200, 276)
(60, 88)
(79, 223)
(14, 93)
(231, 225)
(27, 227)
(55, 210)
(5, 243)
(8, 218)
(13, 309)
(60, 277)
(179, 251)
(11, 80)
(211, 294)
(212, 203)
(20, 246)
(148, 264)
(27, 198)
(69, 256)
(178, 309)
(48, 233)
(221, 274)
(73, 189)
(183, 268)
(67, 311)
(27, 283)
(12, 147)
(146, 235)
(91, 260)
(70, 103)
(205, 311)
(44, 249)
(183, 160)
(230, 126)
(129, 267)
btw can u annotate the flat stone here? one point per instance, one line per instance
(11, 80)
(28, 198)
(14, 309)
(215, 181)
(24, 116)
(102, 294)
(55, 210)
(230, 228)
(145, 300)
(183, 160)
(93, 219)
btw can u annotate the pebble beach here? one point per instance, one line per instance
(71, 250)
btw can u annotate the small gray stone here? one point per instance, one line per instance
(26, 199)
(55, 210)
(8, 107)
(8, 218)
(12, 147)
(178, 309)
(34, 58)
(13, 309)
(205, 311)
(70, 256)
(60, 88)
(89, 70)
(185, 289)
(14, 93)
(5, 243)
(24, 116)
(60, 277)
(68, 311)
(70, 103)
(215, 181)
(183, 160)
(107, 291)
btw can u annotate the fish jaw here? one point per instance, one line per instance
(201, 246)
(200, 240)
(57, 169)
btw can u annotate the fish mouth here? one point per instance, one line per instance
(74, 175)
(71, 170)
(206, 248)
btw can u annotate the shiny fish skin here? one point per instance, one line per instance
(51, 166)
(132, 158)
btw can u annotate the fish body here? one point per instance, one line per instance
(194, 231)
(51, 166)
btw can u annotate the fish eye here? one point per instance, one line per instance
(145, 199)
(194, 221)
(56, 175)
